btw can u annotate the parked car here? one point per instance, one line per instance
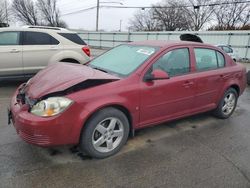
(25, 51)
(229, 51)
(132, 86)
(4, 25)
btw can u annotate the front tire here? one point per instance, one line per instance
(105, 133)
(227, 104)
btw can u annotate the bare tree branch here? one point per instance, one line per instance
(50, 13)
(25, 11)
(2, 11)
(171, 19)
(143, 21)
(199, 15)
(232, 16)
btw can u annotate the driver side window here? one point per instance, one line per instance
(175, 62)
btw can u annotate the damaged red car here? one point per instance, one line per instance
(135, 85)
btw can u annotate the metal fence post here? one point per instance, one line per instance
(88, 37)
(100, 39)
(247, 47)
(114, 39)
(229, 38)
(129, 38)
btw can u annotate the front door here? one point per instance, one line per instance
(10, 54)
(169, 98)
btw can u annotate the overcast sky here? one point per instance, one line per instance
(109, 17)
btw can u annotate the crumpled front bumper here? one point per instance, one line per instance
(62, 129)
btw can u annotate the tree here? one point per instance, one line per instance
(232, 16)
(50, 13)
(171, 18)
(25, 11)
(199, 14)
(2, 11)
(143, 21)
(160, 18)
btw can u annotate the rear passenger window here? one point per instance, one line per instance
(38, 38)
(73, 37)
(208, 59)
(175, 62)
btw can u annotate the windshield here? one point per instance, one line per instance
(123, 60)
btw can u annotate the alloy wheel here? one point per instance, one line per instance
(108, 135)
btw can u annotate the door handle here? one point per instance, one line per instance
(187, 84)
(224, 76)
(14, 51)
(53, 48)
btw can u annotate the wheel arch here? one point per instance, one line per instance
(70, 60)
(236, 87)
(120, 107)
(233, 85)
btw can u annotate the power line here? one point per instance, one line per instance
(181, 6)
(148, 7)
(79, 11)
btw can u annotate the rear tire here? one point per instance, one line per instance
(105, 133)
(227, 104)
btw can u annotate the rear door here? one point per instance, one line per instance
(169, 98)
(10, 54)
(38, 48)
(209, 76)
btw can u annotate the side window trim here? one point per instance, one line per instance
(224, 59)
(217, 60)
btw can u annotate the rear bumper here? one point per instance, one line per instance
(63, 129)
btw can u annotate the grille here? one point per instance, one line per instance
(34, 139)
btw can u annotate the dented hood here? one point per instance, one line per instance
(61, 76)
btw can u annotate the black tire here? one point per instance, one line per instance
(248, 77)
(90, 130)
(219, 112)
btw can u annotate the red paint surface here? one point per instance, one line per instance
(148, 103)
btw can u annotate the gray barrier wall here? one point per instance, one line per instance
(238, 40)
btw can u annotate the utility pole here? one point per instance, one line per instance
(97, 11)
(97, 15)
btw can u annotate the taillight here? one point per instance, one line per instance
(86, 50)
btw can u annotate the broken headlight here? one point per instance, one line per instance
(51, 106)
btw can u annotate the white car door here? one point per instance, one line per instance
(38, 48)
(10, 54)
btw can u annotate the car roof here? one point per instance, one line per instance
(223, 45)
(37, 29)
(166, 44)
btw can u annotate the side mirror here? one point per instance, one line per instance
(156, 75)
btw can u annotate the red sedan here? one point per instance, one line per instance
(129, 87)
